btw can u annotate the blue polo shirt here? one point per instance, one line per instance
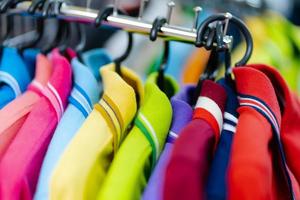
(14, 75)
(29, 57)
(85, 93)
(216, 185)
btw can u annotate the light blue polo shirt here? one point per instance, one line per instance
(85, 93)
(14, 75)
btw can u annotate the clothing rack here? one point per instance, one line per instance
(163, 30)
(131, 24)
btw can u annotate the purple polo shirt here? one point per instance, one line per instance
(182, 115)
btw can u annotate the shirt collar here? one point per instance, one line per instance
(43, 73)
(230, 114)
(119, 100)
(86, 89)
(210, 105)
(59, 85)
(14, 71)
(291, 112)
(43, 70)
(182, 111)
(96, 58)
(155, 108)
(255, 90)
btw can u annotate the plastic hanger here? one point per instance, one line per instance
(6, 4)
(213, 63)
(239, 24)
(82, 42)
(9, 29)
(208, 35)
(102, 16)
(156, 26)
(52, 9)
(40, 22)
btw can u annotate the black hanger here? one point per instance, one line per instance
(82, 41)
(156, 26)
(213, 64)
(65, 39)
(6, 4)
(239, 24)
(102, 15)
(207, 35)
(51, 9)
(40, 23)
(9, 29)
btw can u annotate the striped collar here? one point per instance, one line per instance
(118, 104)
(260, 106)
(43, 71)
(86, 90)
(230, 114)
(230, 122)
(155, 109)
(182, 112)
(149, 132)
(256, 90)
(59, 85)
(80, 100)
(210, 105)
(11, 82)
(111, 113)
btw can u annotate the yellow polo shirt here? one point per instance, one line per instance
(85, 162)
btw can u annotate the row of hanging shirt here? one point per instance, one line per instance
(60, 140)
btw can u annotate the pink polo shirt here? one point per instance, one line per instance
(13, 115)
(20, 165)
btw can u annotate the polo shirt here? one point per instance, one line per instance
(14, 75)
(15, 113)
(142, 147)
(290, 112)
(216, 187)
(85, 93)
(257, 160)
(187, 171)
(20, 166)
(95, 58)
(182, 115)
(92, 149)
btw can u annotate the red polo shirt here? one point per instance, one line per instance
(290, 123)
(257, 167)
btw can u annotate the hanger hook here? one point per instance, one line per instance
(6, 4)
(236, 21)
(102, 15)
(51, 8)
(36, 4)
(156, 26)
